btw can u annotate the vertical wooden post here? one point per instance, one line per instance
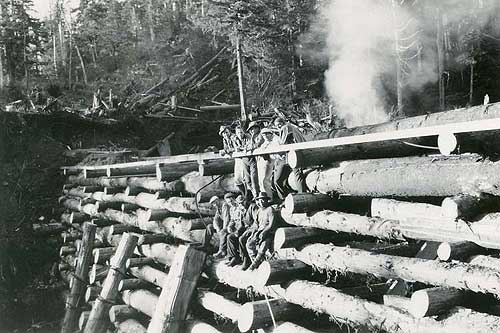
(78, 284)
(240, 81)
(98, 319)
(172, 306)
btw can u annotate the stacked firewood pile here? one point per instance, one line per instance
(416, 236)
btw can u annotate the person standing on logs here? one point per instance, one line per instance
(241, 176)
(235, 229)
(220, 222)
(254, 141)
(265, 163)
(268, 220)
(288, 133)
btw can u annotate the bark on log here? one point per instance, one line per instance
(103, 254)
(264, 313)
(233, 107)
(469, 206)
(295, 236)
(432, 301)
(196, 326)
(130, 326)
(287, 327)
(399, 210)
(436, 176)
(482, 232)
(138, 262)
(173, 171)
(372, 292)
(101, 181)
(98, 273)
(150, 274)
(121, 228)
(218, 304)
(91, 293)
(128, 207)
(82, 321)
(485, 261)
(457, 275)
(44, 229)
(142, 170)
(206, 187)
(216, 167)
(398, 302)
(145, 239)
(307, 202)
(279, 271)
(97, 321)
(71, 235)
(78, 282)
(177, 290)
(458, 250)
(122, 312)
(142, 300)
(132, 284)
(65, 250)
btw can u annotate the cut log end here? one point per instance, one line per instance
(444, 251)
(450, 208)
(294, 159)
(279, 239)
(419, 304)
(447, 143)
(246, 317)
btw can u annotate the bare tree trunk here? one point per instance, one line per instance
(240, 81)
(84, 72)
(399, 77)
(149, 11)
(2, 50)
(70, 60)
(440, 53)
(54, 52)
(471, 87)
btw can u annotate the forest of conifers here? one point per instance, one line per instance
(387, 58)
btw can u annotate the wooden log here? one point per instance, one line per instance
(78, 281)
(288, 327)
(149, 274)
(178, 205)
(205, 187)
(264, 313)
(152, 184)
(152, 239)
(196, 326)
(177, 290)
(130, 284)
(94, 173)
(64, 266)
(91, 188)
(434, 176)
(307, 202)
(373, 291)
(102, 206)
(457, 275)
(458, 250)
(297, 236)
(97, 321)
(128, 207)
(433, 301)
(398, 302)
(469, 206)
(481, 232)
(130, 326)
(121, 228)
(101, 181)
(216, 167)
(279, 271)
(142, 300)
(98, 273)
(82, 321)
(169, 172)
(137, 262)
(399, 210)
(72, 204)
(70, 235)
(139, 170)
(218, 304)
(92, 293)
(44, 229)
(120, 217)
(223, 107)
(77, 192)
(122, 312)
(485, 261)
(103, 254)
(77, 217)
(65, 250)
(112, 190)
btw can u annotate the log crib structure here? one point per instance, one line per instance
(403, 215)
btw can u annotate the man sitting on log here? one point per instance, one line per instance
(268, 220)
(235, 229)
(220, 222)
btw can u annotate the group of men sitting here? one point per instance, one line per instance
(245, 229)
(263, 173)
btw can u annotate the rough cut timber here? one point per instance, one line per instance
(433, 301)
(458, 250)
(218, 304)
(261, 314)
(469, 206)
(484, 232)
(97, 321)
(78, 282)
(457, 275)
(170, 172)
(434, 176)
(216, 167)
(400, 210)
(308, 202)
(177, 290)
(206, 187)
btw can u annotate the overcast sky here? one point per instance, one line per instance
(42, 7)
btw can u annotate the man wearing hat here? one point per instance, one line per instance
(265, 163)
(241, 178)
(254, 141)
(227, 140)
(235, 229)
(220, 222)
(268, 220)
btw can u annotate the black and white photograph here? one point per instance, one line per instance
(263, 166)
